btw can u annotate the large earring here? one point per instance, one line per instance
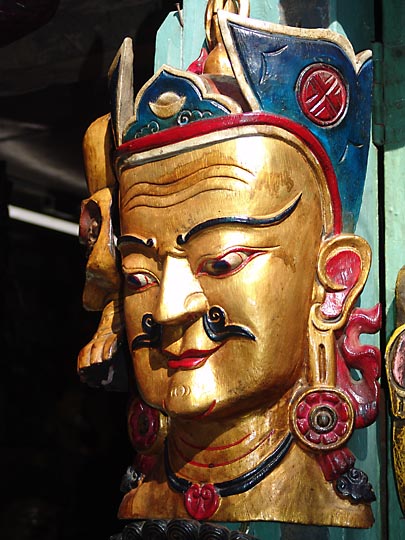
(147, 427)
(322, 415)
(322, 418)
(147, 430)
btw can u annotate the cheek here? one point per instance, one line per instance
(269, 293)
(151, 377)
(133, 319)
(135, 307)
(272, 298)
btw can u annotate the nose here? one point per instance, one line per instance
(181, 297)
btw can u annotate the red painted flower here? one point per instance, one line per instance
(322, 94)
(201, 501)
(324, 419)
(143, 425)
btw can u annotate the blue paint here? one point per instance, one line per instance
(195, 106)
(272, 64)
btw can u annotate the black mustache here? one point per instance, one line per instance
(214, 323)
(152, 336)
(216, 328)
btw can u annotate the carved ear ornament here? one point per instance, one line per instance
(343, 266)
(322, 418)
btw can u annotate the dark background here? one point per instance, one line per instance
(64, 446)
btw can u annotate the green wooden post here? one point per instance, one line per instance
(178, 43)
(392, 131)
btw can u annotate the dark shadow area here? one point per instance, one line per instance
(63, 446)
(305, 13)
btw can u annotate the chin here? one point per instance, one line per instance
(183, 402)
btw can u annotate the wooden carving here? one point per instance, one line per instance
(395, 366)
(232, 270)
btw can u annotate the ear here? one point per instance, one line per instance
(343, 266)
(103, 279)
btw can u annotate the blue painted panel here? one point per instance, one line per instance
(273, 64)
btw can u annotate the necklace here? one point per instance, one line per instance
(202, 500)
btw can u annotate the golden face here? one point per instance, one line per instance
(219, 245)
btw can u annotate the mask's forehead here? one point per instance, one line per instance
(254, 175)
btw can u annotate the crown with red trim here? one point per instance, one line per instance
(309, 82)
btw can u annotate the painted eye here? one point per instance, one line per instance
(227, 264)
(140, 281)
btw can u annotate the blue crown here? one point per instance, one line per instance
(310, 77)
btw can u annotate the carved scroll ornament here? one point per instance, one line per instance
(233, 273)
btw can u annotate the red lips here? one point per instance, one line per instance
(191, 359)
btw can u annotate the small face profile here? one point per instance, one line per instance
(219, 248)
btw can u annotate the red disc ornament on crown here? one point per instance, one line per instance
(322, 94)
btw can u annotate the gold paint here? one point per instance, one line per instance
(330, 248)
(180, 391)
(167, 105)
(228, 412)
(397, 392)
(217, 61)
(398, 449)
(101, 289)
(294, 492)
(231, 411)
(102, 276)
(321, 348)
(105, 341)
(177, 303)
(97, 149)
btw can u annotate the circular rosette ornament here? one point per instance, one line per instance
(322, 419)
(146, 426)
(201, 501)
(322, 94)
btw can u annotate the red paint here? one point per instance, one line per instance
(207, 412)
(322, 94)
(201, 501)
(249, 253)
(343, 269)
(143, 423)
(145, 464)
(335, 463)
(317, 399)
(398, 362)
(351, 354)
(223, 463)
(198, 65)
(216, 448)
(204, 127)
(190, 359)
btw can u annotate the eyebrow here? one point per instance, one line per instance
(250, 221)
(130, 239)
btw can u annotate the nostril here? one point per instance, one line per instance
(192, 317)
